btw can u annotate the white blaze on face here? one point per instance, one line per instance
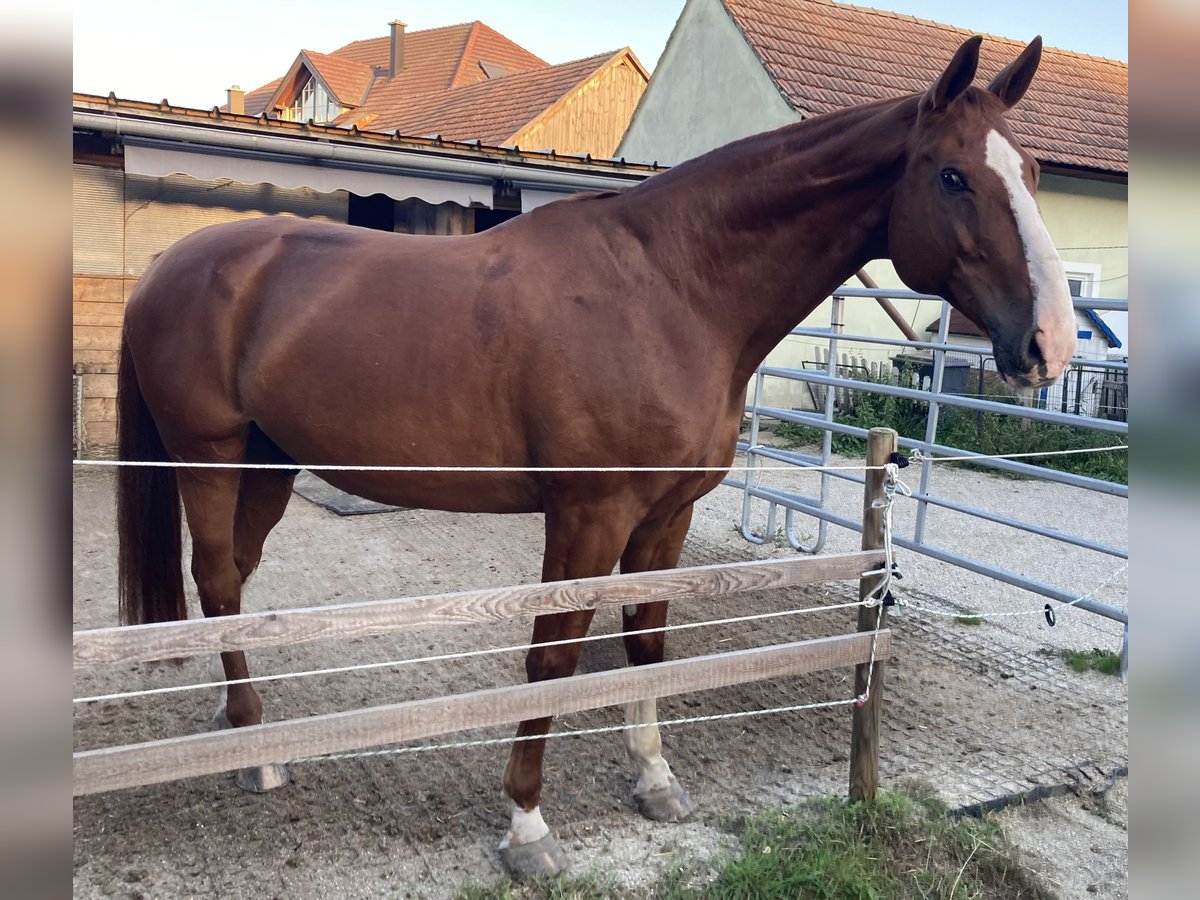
(1054, 316)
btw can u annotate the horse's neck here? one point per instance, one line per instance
(764, 229)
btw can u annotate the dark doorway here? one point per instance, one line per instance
(377, 211)
(490, 218)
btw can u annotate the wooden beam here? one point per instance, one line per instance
(170, 640)
(888, 307)
(864, 732)
(206, 754)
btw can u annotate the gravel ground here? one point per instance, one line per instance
(983, 713)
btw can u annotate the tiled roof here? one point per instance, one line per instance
(442, 87)
(257, 100)
(490, 111)
(223, 121)
(442, 58)
(959, 324)
(824, 56)
(348, 80)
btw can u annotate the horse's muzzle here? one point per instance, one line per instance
(1042, 359)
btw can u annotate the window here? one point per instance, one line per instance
(313, 102)
(1083, 278)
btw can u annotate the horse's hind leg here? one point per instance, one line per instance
(658, 794)
(211, 500)
(262, 498)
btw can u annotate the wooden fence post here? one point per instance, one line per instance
(864, 738)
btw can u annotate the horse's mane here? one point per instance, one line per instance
(795, 136)
(591, 195)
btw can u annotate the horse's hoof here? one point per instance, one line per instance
(256, 779)
(260, 779)
(666, 804)
(541, 857)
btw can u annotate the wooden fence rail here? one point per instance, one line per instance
(250, 631)
(114, 768)
(205, 754)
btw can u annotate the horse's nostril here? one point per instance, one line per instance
(1035, 351)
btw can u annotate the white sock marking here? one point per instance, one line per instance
(527, 827)
(216, 672)
(644, 746)
(1053, 313)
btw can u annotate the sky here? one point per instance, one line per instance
(189, 52)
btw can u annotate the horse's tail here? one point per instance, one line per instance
(150, 555)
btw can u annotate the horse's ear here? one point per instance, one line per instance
(957, 77)
(1010, 85)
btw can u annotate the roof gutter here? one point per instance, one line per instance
(342, 155)
(1085, 172)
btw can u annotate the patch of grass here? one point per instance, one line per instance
(894, 849)
(795, 435)
(969, 618)
(901, 847)
(1099, 660)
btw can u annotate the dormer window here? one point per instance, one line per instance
(313, 102)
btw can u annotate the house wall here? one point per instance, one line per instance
(1089, 222)
(590, 119)
(121, 222)
(708, 89)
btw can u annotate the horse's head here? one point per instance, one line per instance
(965, 225)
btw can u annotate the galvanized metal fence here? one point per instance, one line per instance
(938, 357)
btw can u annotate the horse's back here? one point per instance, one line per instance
(356, 347)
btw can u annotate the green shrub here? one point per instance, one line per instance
(1099, 660)
(987, 433)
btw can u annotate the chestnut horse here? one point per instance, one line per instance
(608, 330)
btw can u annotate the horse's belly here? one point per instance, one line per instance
(467, 492)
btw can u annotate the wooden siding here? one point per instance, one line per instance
(97, 311)
(120, 223)
(593, 118)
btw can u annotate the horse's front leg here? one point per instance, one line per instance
(582, 540)
(529, 848)
(658, 794)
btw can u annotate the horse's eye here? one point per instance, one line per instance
(952, 180)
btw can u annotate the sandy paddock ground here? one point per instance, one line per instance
(982, 713)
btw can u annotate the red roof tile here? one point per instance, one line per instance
(347, 80)
(824, 56)
(257, 100)
(442, 58)
(442, 87)
(959, 324)
(490, 111)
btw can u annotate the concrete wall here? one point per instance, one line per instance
(708, 89)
